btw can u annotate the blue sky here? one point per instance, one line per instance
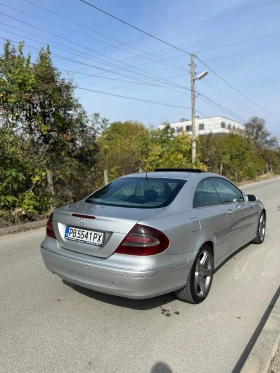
(244, 48)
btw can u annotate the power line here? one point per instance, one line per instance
(146, 101)
(204, 41)
(82, 63)
(210, 19)
(214, 103)
(237, 42)
(136, 28)
(115, 79)
(137, 56)
(225, 67)
(99, 33)
(91, 58)
(55, 24)
(234, 100)
(110, 71)
(249, 62)
(66, 58)
(221, 16)
(203, 97)
(85, 35)
(132, 98)
(140, 82)
(225, 95)
(222, 46)
(218, 37)
(39, 28)
(125, 81)
(247, 51)
(121, 96)
(162, 41)
(129, 85)
(143, 32)
(227, 35)
(235, 89)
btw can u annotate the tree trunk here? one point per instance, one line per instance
(106, 178)
(50, 185)
(221, 169)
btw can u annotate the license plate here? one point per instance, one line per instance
(85, 236)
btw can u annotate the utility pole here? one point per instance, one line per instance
(193, 109)
(193, 79)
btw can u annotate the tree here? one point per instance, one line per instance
(165, 149)
(40, 107)
(258, 135)
(122, 147)
(230, 155)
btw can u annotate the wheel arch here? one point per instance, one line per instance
(211, 245)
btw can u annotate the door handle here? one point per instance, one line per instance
(230, 212)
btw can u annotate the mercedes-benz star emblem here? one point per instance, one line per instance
(81, 221)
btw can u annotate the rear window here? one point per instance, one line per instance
(138, 192)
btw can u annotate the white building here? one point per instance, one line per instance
(204, 126)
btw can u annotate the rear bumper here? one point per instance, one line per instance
(115, 279)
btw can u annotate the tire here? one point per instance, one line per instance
(199, 279)
(260, 236)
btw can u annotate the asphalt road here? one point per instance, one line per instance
(49, 326)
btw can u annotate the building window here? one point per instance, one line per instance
(188, 128)
(229, 126)
(223, 125)
(201, 126)
(179, 129)
(233, 128)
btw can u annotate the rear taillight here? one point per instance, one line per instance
(49, 230)
(142, 241)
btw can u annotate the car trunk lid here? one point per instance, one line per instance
(112, 223)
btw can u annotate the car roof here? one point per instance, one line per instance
(182, 175)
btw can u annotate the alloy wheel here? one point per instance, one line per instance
(262, 227)
(203, 273)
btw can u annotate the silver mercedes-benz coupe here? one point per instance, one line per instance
(152, 233)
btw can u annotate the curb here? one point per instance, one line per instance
(259, 182)
(264, 350)
(23, 227)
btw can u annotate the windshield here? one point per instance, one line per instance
(138, 192)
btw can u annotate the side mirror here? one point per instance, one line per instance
(252, 198)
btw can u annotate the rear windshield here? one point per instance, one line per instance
(138, 192)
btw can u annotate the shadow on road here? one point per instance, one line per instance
(137, 304)
(232, 255)
(161, 368)
(256, 334)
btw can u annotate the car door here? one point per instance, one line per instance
(213, 217)
(240, 212)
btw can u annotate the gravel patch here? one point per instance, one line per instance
(275, 364)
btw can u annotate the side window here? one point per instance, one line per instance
(227, 191)
(205, 195)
